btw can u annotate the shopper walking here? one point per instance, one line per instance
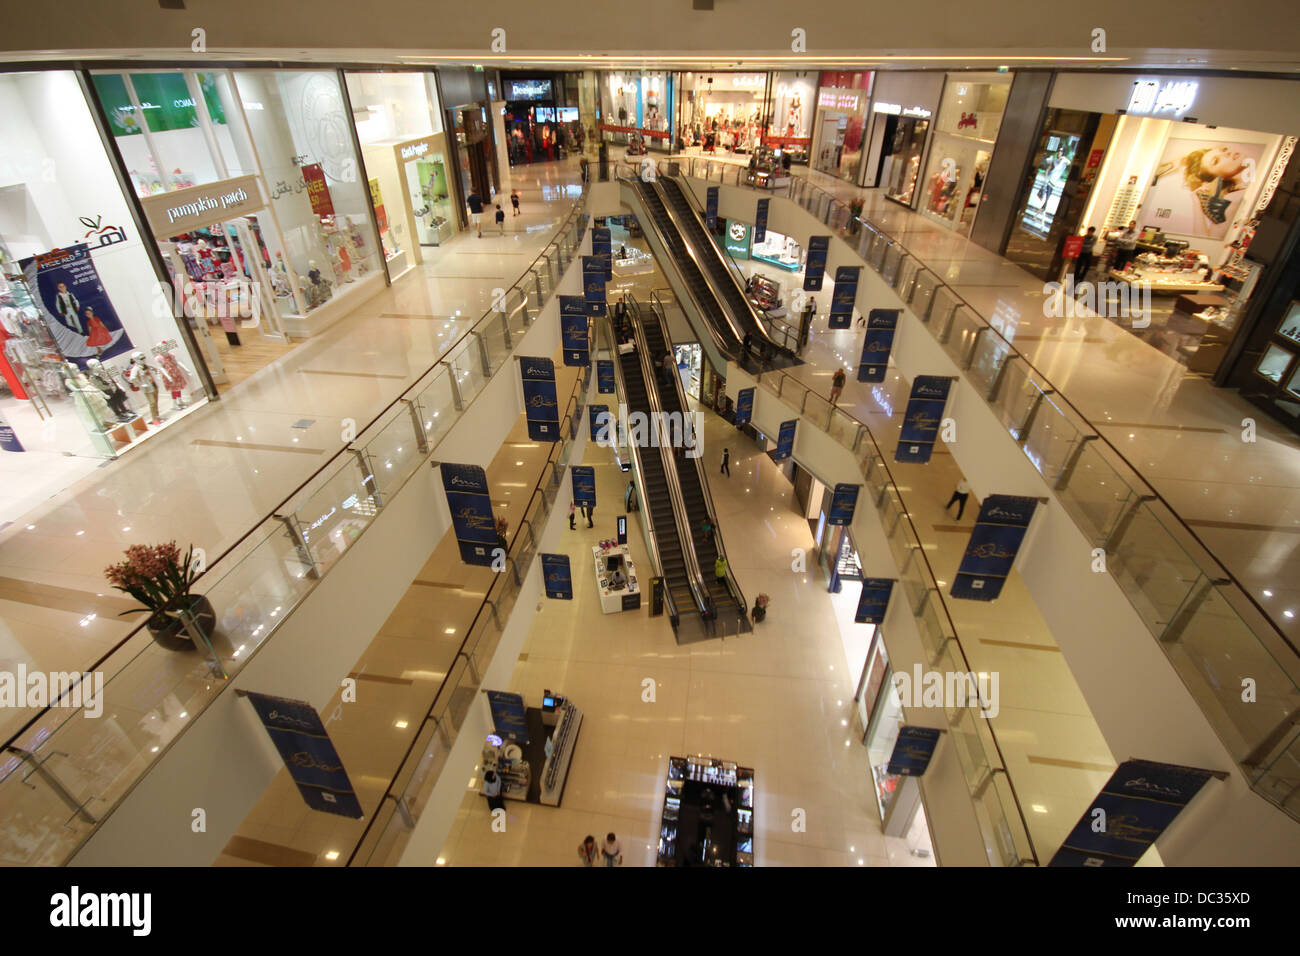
(726, 463)
(514, 200)
(1083, 264)
(587, 511)
(959, 497)
(475, 203)
(492, 790)
(501, 220)
(572, 514)
(588, 851)
(720, 570)
(629, 498)
(612, 851)
(837, 385)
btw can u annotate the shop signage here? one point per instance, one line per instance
(737, 239)
(416, 149)
(541, 407)
(785, 440)
(470, 505)
(921, 420)
(318, 191)
(844, 297)
(605, 376)
(598, 417)
(1151, 97)
(877, 344)
(632, 602)
(892, 109)
(1140, 800)
(184, 210)
(913, 751)
(840, 100)
(309, 755)
(584, 485)
(509, 715)
(744, 406)
(74, 304)
(994, 544)
(749, 79)
(760, 222)
(594, 273)
(557, 576)
(844, 501)
(573, 330)
(874, 600)
(815, 265)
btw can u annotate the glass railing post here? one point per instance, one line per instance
(456, 400)
(1072, 459)
(484, 359)
(368, 476)
(969, 360)
(37, 764)
(996, 387)
(293, 528)
(505, 330)
(1029, 418)
(417, 424)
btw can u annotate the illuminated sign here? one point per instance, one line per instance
(838, 100)
(1152, 97)
(894, 109)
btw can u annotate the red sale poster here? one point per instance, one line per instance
(317, 190)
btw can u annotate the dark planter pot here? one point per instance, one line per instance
(170, 632)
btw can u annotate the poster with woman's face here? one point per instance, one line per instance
(1199, 186)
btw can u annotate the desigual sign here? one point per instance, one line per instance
(184, 210)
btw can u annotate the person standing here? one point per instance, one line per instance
(584, 167)
(837, 385)
(588, 851)
(746, 342)
(68, 307)
(612, 851)
(670, 368)
(514, 200)
(720, 570)
(492, 790)
(475, 203)
(1083, 264)
(1127, 242)
(501, 220)
(573, 513)
(959, 497)
(726, 463)
(587, 511)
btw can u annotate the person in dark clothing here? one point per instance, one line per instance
(747, 341)
(572, 514)
(492, 790)
(726, 463)
(501, 219)
(475, 203)
(1084, 263)
(587, 512)
(514, 200)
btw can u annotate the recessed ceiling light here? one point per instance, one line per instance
(400, 724)
(332, 855)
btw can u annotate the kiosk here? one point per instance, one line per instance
(616, 578)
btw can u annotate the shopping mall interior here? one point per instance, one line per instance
(729, 436)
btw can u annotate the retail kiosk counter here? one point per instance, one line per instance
(616, 579)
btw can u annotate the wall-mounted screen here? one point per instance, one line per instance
(528, 89)
(1049, 183)
(543, 114)
(567, 114)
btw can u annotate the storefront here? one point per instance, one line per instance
(399, 125)
(92, 360)
(637, 110)
(902, 108)
(466, 106)
(1191, 161)
(963, 137)
(790, 113)
(839, 127)
(541, 118)
(722, 112)
(778, 250)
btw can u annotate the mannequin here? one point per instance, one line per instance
(173, 374)
(90, 398)
(280, 277)
(318, 292)
(104, 378)
(142, 377)
(359, 248)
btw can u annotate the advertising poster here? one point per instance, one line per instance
(744, 406)
(874, 600)
(1198, 187)
(922, 419)
(8, 440)
(298, 734)
(541, 409)
(598, 417)
(509, 715)
(879, 340)
(377, 201)
(558, 577)
(602, 246)
(844, 500)
(1140, 800)
(815, 266)
(913, 750)
(760, 222)
(736, 240)
(994, 543)
(471, 512)
(584, 485)
(844, 298)
(605, 376)
(785, 440)
(593, 284)
(318, 191)
(1049, 182)
(711, 209)
(74, 305)
(573, 330)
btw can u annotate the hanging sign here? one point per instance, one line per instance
(913, 751)
(593, 284)
(1137, 804)
(471, 512)
(600, 424)
(879, 340)
(994, 542)
(541, 407)
(8, 440)
(602, 245)
(605, 376)
(574, 336)
(557, 576)
(584, 485)
(711, 208)
(760, 222)
(184, 210)
(744, 406)
(921, 421)
(785, 441)
(74, 305)
(874, 600)
(844, 500)
(298, 734)
(815, 266)
(844, 298)
(318, 191)
(509, 715)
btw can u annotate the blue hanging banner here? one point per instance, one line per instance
(744, 406)
(711, 209)
(785, 441)
(601, 424)
(881, 324)
(593, 285)
(913, 750)
(921, 421)
(471, 512)
(574, 337)
(584, 485)
(843, 502)
(994, 543)
(509, 715)
(309, 755)
(541, 409)
(874, 600)
(8, 440)
(760, 221)
(605, 375)
(815, 265)
(557, 576)
(844, 298)
(1140, 801)
(602, 246)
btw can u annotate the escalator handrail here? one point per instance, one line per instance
(652, 539)
(658, 315)
(693, 576)
(719, 343)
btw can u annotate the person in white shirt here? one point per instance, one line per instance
(492, 790)
(612, 851)
(959, 497)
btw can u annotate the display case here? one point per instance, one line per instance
(708, 814)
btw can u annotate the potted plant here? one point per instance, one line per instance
(157, 577)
